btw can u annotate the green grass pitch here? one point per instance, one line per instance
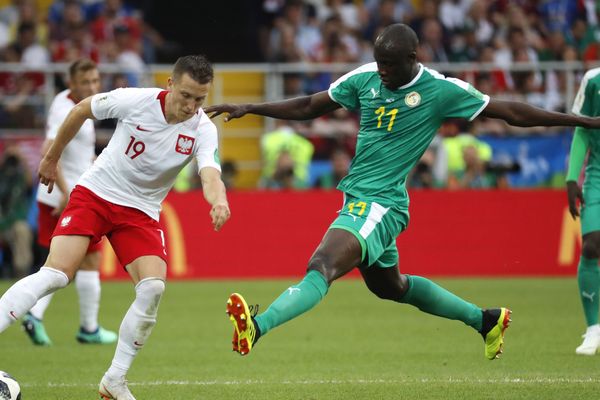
(351, 346)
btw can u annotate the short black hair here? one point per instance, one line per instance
(397, 36)
(196, 66)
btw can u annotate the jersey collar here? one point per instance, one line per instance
(162, 97)
(70, 97)
(415, 79)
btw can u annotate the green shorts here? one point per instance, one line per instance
(590, 212)
(376, 228)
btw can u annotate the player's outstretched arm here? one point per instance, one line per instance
(214, 193)
(47, 170)
(522, 114)
(579, 147)
(299, 108)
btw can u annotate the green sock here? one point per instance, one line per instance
(433, 299)
(588, 277)
(294, 301)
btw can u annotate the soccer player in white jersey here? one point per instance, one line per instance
(158, 133)
(84, 81)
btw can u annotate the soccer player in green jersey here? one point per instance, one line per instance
(588, 275)
(402, 104)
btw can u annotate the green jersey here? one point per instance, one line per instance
(587, 103)
(396, 126)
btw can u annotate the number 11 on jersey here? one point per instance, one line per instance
(381, 112)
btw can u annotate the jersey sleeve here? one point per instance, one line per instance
(56, 116)
(584, 100)
(344, 91)
(114, 104)
(461, 100)
(207, 154)
(579, 148)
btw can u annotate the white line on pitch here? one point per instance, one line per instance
(524, 381)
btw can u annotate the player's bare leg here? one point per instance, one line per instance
(66, 253)
(148, 274)
(338, 253)
(388, 283)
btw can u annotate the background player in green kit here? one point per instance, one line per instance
(587, 103)
(402, 104)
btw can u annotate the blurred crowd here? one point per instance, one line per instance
(497, 32)
(105, 31)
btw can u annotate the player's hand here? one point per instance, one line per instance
(232, 111)
(47, 172)
(220, 214)
(573, 193)
(61, 206)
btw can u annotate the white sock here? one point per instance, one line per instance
(137, 325)
(88, 289)
(593, 329)
(21, 296)
(39, 308)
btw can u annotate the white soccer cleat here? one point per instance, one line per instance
(114, 389)
(591, 342)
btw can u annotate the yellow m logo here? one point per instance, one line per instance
(570, 235)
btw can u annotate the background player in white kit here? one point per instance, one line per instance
(77, 157)
(158, 133)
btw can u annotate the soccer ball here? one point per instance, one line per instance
(9, 388)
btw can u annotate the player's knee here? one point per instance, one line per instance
(322, 264)
(590, 248)
(394, 291)
(152, 289)
(388, 293)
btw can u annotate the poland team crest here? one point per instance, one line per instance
(184, 144)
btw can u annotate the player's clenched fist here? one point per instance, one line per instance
(47, 173)
(220, 214)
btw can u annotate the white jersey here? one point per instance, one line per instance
(77, 156)
(139, 166)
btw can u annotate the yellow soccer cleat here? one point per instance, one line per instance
(244, 328)
(499, 319)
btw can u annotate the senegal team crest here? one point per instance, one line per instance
(412, 99)
(184, 144)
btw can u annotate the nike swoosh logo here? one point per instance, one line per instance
(138, 344)
(12, 314)
(139, 128)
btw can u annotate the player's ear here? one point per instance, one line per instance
(170, 83)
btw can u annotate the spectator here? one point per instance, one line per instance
(336, 129)
(432, 169)
(431, 46)
(457, 163)
(283, 177)
(77, 44)
(15, 197)
(340, 165)
(229, 173)
(474, 174)
(382, 13)
(33, 54)
(421, 177)
(452, 14)
(296, 35)
(62, 16)
(298, 149)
